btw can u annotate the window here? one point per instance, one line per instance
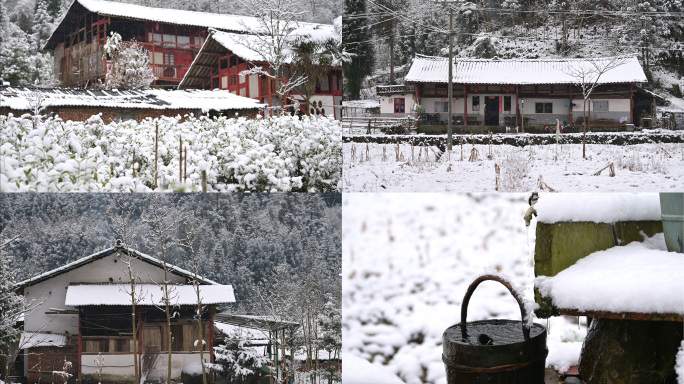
(441, 106)
(507, 104)
(224, 63)
(169, 59)
(476, 103)
(543, 107)
(399, 105)
(600, 106)
(233, 61)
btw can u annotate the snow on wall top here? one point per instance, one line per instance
(638, 277)
(41, 339)
(151, 294)
(598, 207)
(19, 98)
(105, 253)
(429, 69)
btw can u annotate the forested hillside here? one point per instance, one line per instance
(248, 241)
(394, 31)
(25, 26)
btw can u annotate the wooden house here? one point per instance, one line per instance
(117, 105)
(224, 56)
(495, 92)
(173, 38)
(82, 325)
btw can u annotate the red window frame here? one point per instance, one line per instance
(399, 105)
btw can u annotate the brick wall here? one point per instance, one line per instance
(42, 361)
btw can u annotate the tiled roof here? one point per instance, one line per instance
(428, 69)
(18, 98)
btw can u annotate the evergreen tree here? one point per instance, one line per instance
(11, 304)
(356, 39)
(15, 59)
(42, 26)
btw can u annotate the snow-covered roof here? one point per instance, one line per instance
(19, 98)
(430, 69)
(247, 47)
(253, 48)
(149, 294)
(107, 252)
(234, 23)
(41, 339)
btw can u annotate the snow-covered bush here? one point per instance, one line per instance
(131, 67)
(236, 361)
(515, 166)
(278, 154)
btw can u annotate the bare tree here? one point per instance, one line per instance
(120, 217)
(587, 74)
(163, 222)
(188, 242)
(270, 39)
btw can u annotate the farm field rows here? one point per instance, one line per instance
(371, 167)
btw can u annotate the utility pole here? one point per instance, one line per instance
(450, 92)
(450, 129)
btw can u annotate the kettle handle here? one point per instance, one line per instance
(505, 283)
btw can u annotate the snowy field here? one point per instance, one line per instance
(278, 154)
(403, 168)
(407, 261)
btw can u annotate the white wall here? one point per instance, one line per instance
(122, 365)
(614, 105)
(429, 104)
(51, 293)
(559, 107)
(387, 102)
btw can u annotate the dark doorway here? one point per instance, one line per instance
(491, 110)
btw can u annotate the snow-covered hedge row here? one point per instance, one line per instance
(277, 154)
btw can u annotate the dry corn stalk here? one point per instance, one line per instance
(543, 185)
(497, 170)
(474, 154)
(611, 168)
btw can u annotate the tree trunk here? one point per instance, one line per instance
(391, 47)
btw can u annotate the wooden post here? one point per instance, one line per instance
(185, 174)
(204, 181)
(180, 159)
(80, 345)
(156, 152)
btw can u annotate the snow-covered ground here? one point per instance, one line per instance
(407, 261)
(403, 168)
